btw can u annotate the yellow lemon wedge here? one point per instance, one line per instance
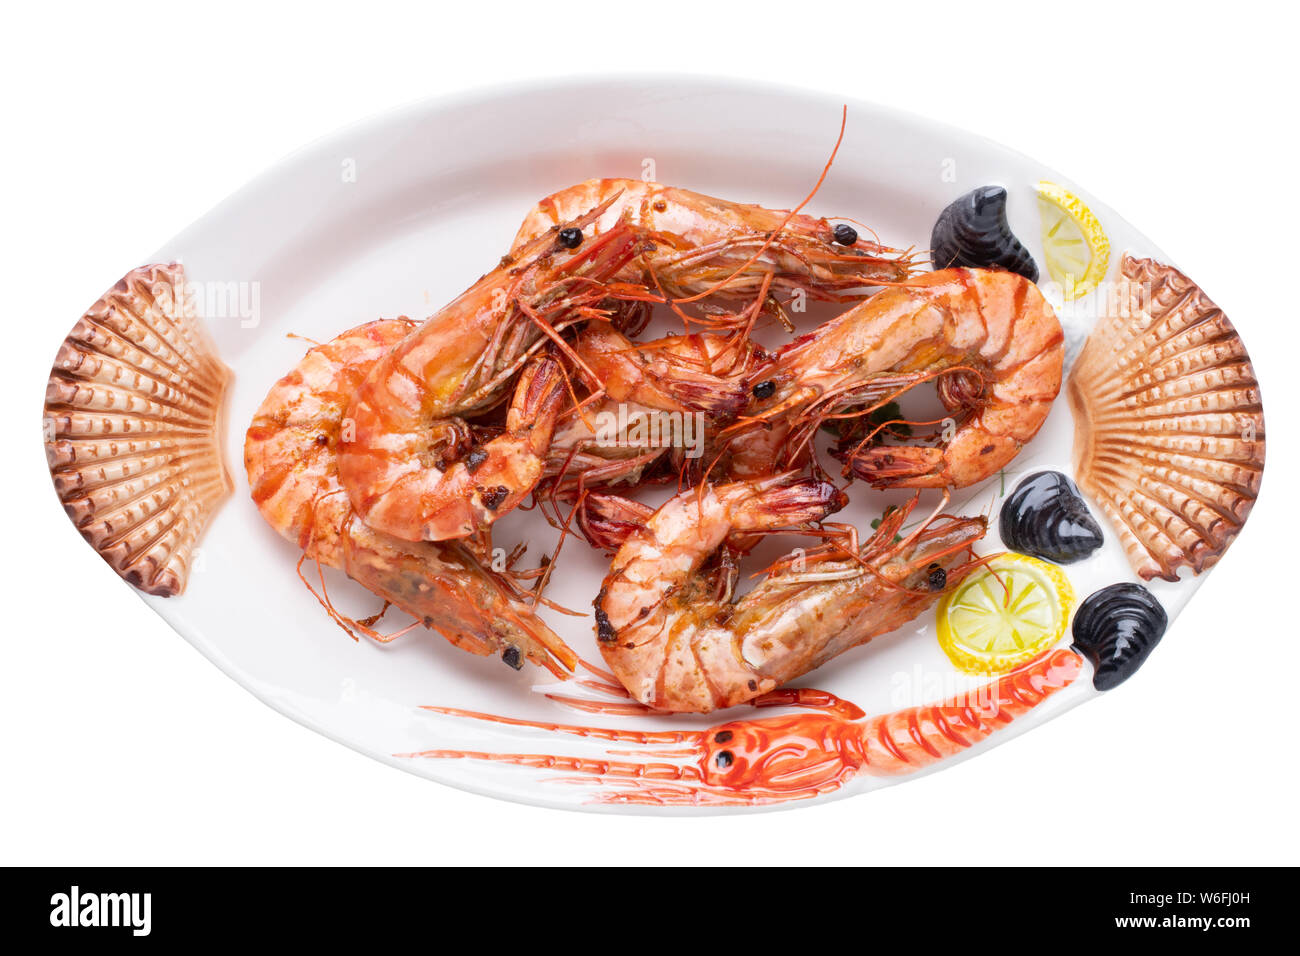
(1075, 246)
(1004, 614)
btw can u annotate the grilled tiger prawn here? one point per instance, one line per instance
(649, 388)
(669, 630)
(461, 361)
(990, 341)
(290, 454)
(661, 375)
(701, 240)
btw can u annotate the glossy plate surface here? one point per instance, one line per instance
(398, 215)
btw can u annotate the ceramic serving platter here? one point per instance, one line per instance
(398, 215)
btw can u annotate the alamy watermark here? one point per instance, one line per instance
(633, 427)
(217, 300)
(75, 908)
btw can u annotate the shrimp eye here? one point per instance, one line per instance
(845, 234)
(724, 759)
(765, 389)
(570, 238)
(722, 737)
(513, 657)
(938, 577)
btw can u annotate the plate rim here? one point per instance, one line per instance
(427, 108)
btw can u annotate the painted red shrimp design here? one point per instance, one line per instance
(790, 757)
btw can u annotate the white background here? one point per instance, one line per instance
(121, 125)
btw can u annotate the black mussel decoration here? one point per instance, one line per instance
(1047, 517)
(973, 232)
(1116, 628)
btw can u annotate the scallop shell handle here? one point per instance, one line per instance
(1169, 424)
(133, 428)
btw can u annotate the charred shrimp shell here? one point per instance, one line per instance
(973, 231)
(1046, 517)
(1117, 628)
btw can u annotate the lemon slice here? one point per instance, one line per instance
(1074, 244)
(1005, 614)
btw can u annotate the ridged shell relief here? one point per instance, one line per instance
(1116, 629)
(133, 421)
(1045, 517)
(1169, 428)
(973, 231)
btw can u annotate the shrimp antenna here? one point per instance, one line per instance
(844, 120)
(545, 579)
(351, 626)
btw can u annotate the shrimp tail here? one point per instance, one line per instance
(972, 456)
(536, 405)
(449, 590)
(786, 500)
(607, 520)
(717, 398)
(895, 466)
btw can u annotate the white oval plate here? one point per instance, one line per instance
(398, 215)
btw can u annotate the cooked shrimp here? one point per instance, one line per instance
(607, 520)
(649, 386)
(658, 375)
(290, 454)
(989, 339)
(701, 240)
(674, 638)
(610, 443)
(461, 361)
